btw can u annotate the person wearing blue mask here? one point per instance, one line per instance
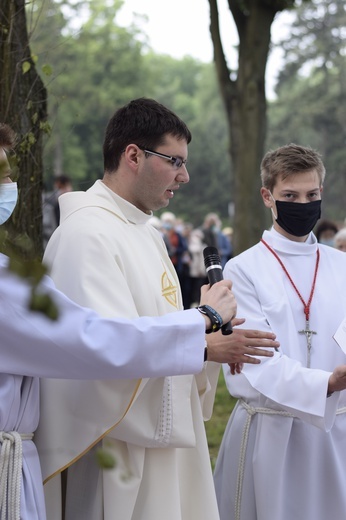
(282, 456)
(325, 232)
(81, 344)
(9, 189)
(9, 198)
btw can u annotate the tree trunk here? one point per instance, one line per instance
(23, 106)
(245, 102)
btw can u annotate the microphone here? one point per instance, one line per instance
(213, 267)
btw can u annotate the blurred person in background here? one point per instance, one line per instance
(214, 237)
(197, 266)
(176, 244)
(340, 239)
(228, 232)
(50, 206)
(325, 232)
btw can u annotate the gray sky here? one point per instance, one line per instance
(184, 30)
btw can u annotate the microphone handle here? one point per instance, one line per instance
(226, 329)
(214, 273)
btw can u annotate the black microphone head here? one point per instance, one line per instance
(211, 256)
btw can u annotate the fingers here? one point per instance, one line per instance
(235, 368)
(258, 334)
(238, 347)
(204, 290)
(255, 351)
(226, 283)
(252, 360)
(237, 321)
(256, 338)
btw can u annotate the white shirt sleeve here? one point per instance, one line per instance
(81, 345)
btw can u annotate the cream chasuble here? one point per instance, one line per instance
(283, 453)
(106, 256)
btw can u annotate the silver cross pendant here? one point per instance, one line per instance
(308, 334)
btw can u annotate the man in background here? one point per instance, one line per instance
(50, 206)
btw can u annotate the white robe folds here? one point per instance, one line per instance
(283, 455)
(105, 255)
(78, 345)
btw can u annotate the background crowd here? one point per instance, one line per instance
(185, 244)
(331, 234)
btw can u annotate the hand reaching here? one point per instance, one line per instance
(241, 346)
(337, 380)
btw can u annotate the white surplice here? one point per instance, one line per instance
(283, 454)
(78, 344)
(107, 256)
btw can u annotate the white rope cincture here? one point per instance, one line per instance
(251, 411)
(11, 461)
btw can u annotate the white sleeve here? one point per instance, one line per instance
(281, 379)
(81, 345)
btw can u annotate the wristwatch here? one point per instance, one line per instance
(215, 318)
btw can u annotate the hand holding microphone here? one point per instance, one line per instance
(213, 267)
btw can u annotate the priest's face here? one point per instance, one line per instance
(300, 188)
(160, 176)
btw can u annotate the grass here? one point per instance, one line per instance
(223, 406)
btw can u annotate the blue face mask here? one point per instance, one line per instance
(8, 200)
(327, 242)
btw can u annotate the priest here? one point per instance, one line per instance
(106, 255)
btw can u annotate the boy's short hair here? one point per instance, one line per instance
(288, 160)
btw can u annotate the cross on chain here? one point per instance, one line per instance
(308, 332)
(308, 335)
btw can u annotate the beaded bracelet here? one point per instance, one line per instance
(215, 318)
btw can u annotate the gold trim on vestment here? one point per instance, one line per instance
(98, 439)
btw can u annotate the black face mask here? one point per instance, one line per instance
(296, 218)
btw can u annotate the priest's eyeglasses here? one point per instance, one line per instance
(177, 162)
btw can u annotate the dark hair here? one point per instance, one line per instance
(62, 180)
(325, 225)
(143, 122)
(288, 160)
(7, 136)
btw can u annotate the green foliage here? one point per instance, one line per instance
(105, 459)
(100, 66)
(189, 88)
(26, 66)
(23, 263)
(93, 70)
(310, 107)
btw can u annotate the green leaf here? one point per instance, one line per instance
(105, 459)
(26, 66)
(47, 69)
(43, 303)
